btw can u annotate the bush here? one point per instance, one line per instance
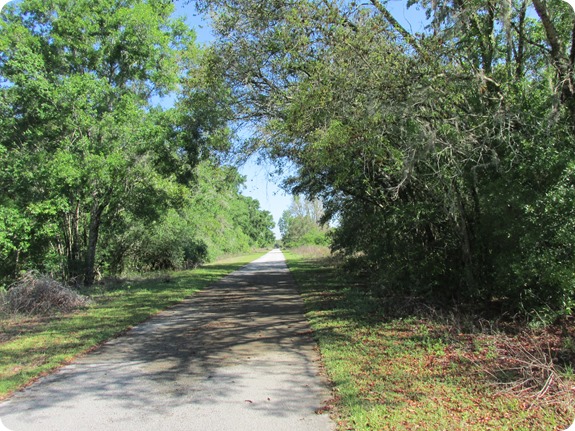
(39, 294)
(195, 254)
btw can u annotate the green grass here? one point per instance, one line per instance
(409, 373)
(33, 346)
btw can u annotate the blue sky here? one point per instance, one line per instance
(259, 185)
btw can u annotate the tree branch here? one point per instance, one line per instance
(412, 41)
(550, 31)
(572, 55)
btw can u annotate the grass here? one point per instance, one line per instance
(413, 373)
(33, 346)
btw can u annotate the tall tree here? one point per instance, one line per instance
(443, 154)
(80, 141)
(302, 223)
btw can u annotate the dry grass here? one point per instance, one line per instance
(312, 251)
(535, 368)
(407, 366)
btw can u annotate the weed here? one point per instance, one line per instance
(317, 251)
(532, 374)
(568, 346)
(568, 372)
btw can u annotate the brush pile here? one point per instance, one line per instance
(38, 294)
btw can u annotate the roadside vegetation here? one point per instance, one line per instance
(32, 344)
(113, 145)
(302, 224)
(443, 155)
(400, 365)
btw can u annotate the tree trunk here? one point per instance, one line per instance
(17, 263)
(520, 52)
(74, 261)
(95, 219)
(465, 233)
(563, 64)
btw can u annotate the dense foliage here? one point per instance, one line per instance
(446, 156)
(94, 177)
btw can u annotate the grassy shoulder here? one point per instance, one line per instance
(424, 372)
(33, 346)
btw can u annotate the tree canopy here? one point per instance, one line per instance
(446, 156)
(89, 164)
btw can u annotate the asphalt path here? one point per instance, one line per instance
(237, 356)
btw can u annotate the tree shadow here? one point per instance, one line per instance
(243, 341)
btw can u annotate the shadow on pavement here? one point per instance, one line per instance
(243, 342)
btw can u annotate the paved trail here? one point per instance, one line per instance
(236, 356)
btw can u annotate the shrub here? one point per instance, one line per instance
(195, 253)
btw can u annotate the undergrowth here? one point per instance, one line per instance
(411, 367)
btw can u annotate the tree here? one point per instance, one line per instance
(81, 142)
(254, 221)
(444, 155)
(301, 223)
(212, 219)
